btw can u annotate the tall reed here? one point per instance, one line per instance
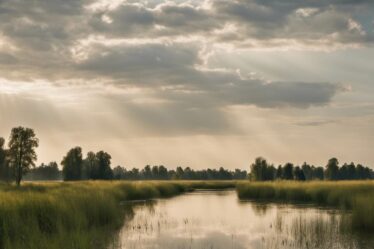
(77, 215)
(357, 196)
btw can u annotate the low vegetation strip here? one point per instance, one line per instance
(76, 215)
(357, 196)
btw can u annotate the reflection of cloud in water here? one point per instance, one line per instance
(216, 240)
(213, 220)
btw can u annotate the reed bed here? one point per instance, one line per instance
(356, 196)
(78, 215)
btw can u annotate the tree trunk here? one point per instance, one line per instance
(19, 175)
(18, 182)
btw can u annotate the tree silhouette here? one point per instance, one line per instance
(21, 153)
(147, 172)
(72, 165)
(44, 172)
(308, 171)
(104, 171)
(298, 174)
(119, 173)
(89, 167)
(318, 173)
(262, 171)
(287, 172)
(258, 168)
(332, 169)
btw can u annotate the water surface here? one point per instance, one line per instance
(218, 220)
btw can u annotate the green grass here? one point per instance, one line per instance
(82, 215)
(357, 196)
(77, 215)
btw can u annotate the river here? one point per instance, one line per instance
(218, 220)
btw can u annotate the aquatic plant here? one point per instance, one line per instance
(357, 196)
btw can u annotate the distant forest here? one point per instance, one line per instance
(261, 170)
(97, 166)
(17, 162)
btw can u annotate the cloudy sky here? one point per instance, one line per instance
(192, 83)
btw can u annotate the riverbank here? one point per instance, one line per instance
(82, 215)
(77, 215)
(357, 196)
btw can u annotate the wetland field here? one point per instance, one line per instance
(187, 214)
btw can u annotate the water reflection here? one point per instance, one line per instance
(217, 220)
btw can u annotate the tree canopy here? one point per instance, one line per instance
(72, 165)
(261, 170)
(21, 153)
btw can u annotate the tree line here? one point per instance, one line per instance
(97, 166)
(261, 170)
(162, 173)
(44, 172)
(17, 162)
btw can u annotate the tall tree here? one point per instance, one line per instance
(278, 174)
(332, 169)
(72, 164)
(103, 165)
(298, 174)
(89, 167)
(162, 172)
(147, 172)
(343, 172)
(179, 173)
(318, 173)
(119, 173)
(307, 171)
(287, 173)
(352, 171)
(21, 153)
(259, 169)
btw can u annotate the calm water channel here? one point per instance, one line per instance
(218, 220)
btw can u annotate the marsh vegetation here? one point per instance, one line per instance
(355, 196)
(76, 215)
(205, 220)
(89, 214)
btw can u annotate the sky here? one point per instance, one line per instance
(198, 83)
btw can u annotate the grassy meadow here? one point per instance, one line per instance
(355, 196)
(77, 214)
